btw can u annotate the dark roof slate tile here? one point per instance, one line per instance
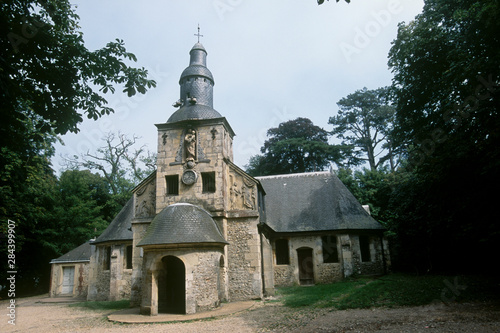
(316, 201)
(182, 223)
(79, 254)
(120, 228)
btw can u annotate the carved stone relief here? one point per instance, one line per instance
(241, 193)
(145, 203)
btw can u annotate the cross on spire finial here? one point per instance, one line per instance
(198, 34)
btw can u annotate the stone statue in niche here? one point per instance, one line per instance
(190, 145)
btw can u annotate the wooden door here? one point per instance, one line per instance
(68, 280)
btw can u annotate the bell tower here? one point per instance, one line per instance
(197, 185)
(194, 143)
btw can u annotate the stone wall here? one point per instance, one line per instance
(268, 266)
(205, 280)
(349, 259)
(139, 228)
(376, 264)
(244, 265)
(328, 273)
(110, 284)
(284, 276)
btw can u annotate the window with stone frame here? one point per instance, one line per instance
(128, 257)
(172, 184)
(364, 248)
(107, 258)
(208, 180)
(282, 252)
(330, 251)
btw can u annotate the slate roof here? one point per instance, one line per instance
(120, 228)
(316, 201)
(194, 112)
(80, 254)
(197, 70)
(197, 64)
(182, 223)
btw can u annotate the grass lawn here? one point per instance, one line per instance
(391, 291)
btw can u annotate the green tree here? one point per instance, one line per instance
(294, 146)
(121, 164)
(373, 188)
(28, 198)
(84, 209)
(46, 67)
(446, 88)
(364, 121)
(48, 81)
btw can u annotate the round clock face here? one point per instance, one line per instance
(189, 177)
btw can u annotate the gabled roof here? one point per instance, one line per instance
(144, 182)
(182, 223)
(80, 254)
(120, 229)
(243, 173)
(316, 201)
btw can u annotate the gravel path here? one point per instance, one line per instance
(32, 316)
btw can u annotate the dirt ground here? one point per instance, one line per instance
(33, 316)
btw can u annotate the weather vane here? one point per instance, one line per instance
(198, 34)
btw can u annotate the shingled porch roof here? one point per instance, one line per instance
(182, 223)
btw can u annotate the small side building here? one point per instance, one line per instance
(69, 272)
(315, 231)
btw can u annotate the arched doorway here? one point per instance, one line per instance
(306, 267)
(172, 286)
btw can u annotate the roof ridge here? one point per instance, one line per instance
(295, 175)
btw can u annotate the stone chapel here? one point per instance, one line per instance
(200, 231)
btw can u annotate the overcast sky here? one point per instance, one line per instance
(272, 61)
